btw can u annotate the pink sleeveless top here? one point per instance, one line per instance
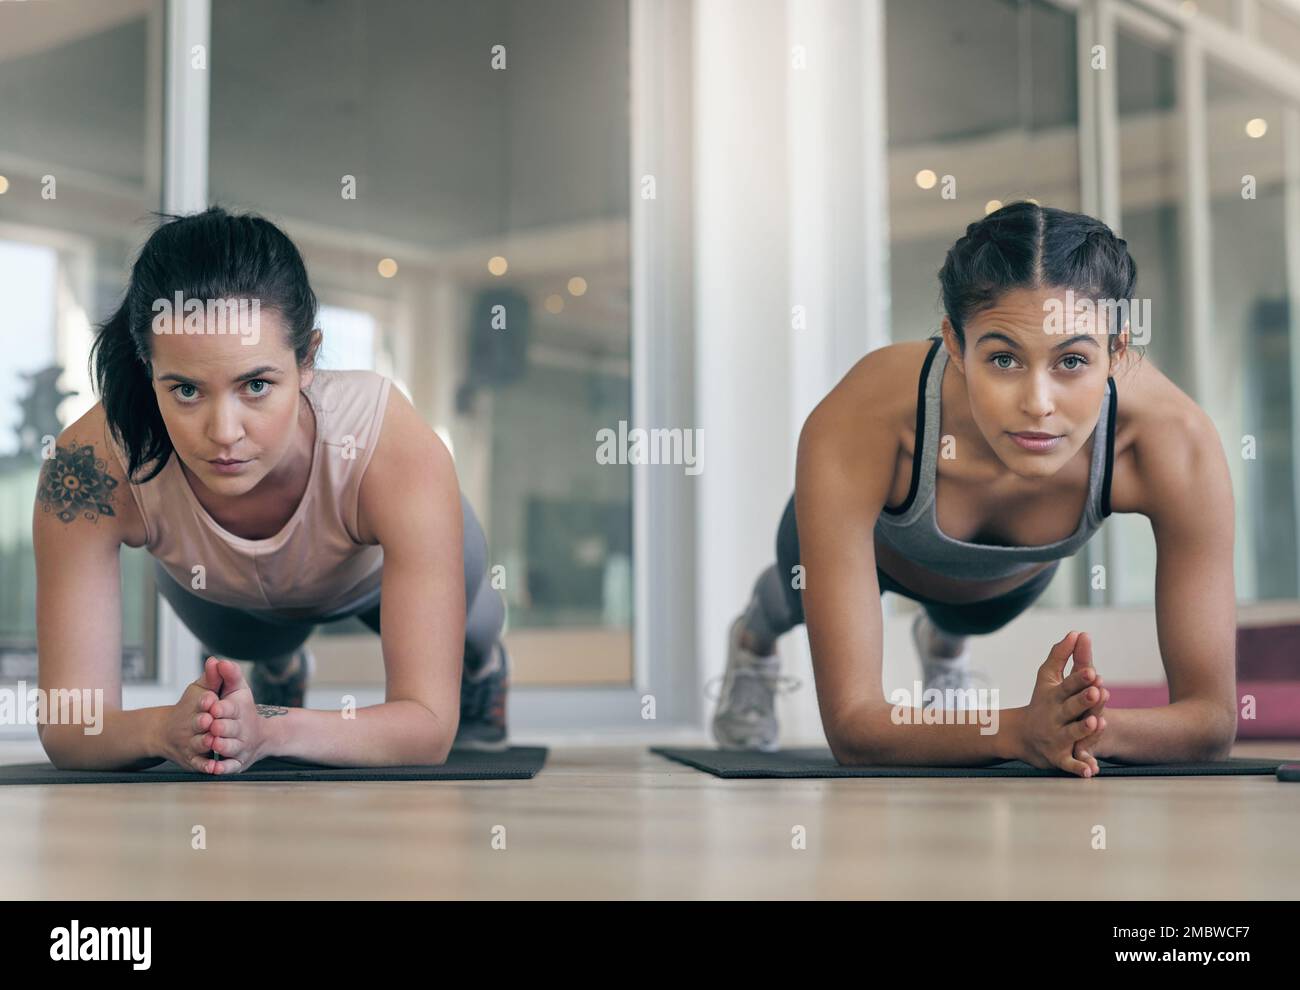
(316, 565)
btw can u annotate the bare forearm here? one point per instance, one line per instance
(395, 733)
(1181, 732)
(900, 736)
(126, 741)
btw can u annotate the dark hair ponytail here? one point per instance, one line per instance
(126, 392)
(208, 255)
(1027, 246)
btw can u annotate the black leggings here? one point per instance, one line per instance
(780, 604)
(240, 635)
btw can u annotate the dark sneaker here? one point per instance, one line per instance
(288, 689)
(483, 708)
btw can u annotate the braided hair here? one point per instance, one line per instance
(1027, 246)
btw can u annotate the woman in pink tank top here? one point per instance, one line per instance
(273, 497)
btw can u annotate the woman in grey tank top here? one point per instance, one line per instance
(1015, 405)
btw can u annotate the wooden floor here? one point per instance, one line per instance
(622, 823)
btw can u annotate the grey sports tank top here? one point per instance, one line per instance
(913, 529)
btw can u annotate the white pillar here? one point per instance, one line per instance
(791, 194)
(742, 375)
(185, 169)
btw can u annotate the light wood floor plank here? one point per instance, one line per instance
(618, 822)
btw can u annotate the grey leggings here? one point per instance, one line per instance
(239, 635)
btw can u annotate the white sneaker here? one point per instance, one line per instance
(746, 714)
(938, 671)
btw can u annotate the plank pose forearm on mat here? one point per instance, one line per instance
(910, 479)
(345, 503)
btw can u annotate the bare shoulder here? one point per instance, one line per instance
(410, 464)
(1168, 452)
(873, 404)
(850, 444)
(83, 484)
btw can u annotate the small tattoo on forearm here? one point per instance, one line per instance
(74, 482)
(271, 711)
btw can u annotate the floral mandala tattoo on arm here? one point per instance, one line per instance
(74, 482)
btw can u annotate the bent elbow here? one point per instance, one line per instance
(60, 754)
(433, 740)
(440, 753)
(1219, 744)
(1219, 735)
(854, 737)
(1219, 753)
(444, 738)
(851, 746)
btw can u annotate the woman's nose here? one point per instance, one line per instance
(1037, 400)
(224, 428)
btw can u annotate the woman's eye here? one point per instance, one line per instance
(999, 357)
(260, 381)
(1074, 357)
(180, 394)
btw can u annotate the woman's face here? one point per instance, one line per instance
(227, 396)
(1023, 376)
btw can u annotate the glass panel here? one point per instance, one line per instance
(1150, 182)
(347, 338)
(1218, 10)
(1012, 135)
(1278, 29)
(79, 161)
(458, 163)
(1250, 353)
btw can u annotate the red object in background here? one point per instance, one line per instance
(1268, 669)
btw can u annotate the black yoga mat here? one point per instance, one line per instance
(515, 763)
(818, 762)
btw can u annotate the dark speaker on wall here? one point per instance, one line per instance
(498, 343)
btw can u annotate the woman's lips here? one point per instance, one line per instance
(228, 467)
(1036, 442)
